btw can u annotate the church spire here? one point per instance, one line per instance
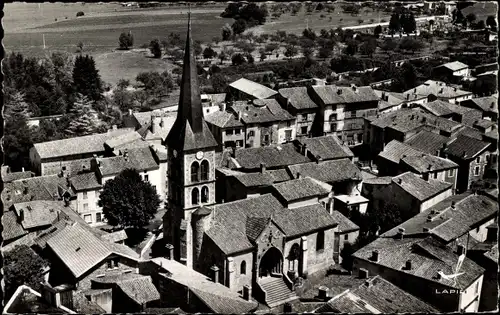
(190, 108)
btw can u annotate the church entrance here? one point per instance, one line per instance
(271, 263)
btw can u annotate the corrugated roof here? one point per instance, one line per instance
(76, 146)
(466, 147)
(328, 147)
(300, 188)
(330, 94)
(298, 97)
(254, 89)
(418, 187)
(328, 171)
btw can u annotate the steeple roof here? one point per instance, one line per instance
(190, 131)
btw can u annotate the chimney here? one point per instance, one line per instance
(318, 159)
(426, 229)
(298, 175)
(400, 180)
(115, 127)
(339, 91)
(25, 190)
(233, 152)
(492, 105)
(407, 97)
(438, 276)
(429, 219)
(247, 292)
(304, 149)
(22, 169)
(375, 256)
(215, 273)
(170, 251)
(441, 90)
(353, 87)
(408, 265)
(21, 215)
(453, 205)
(162, 122)
(222, 107)
(383, 96)
(323, 292)
(125, 154)
(460, 250)
(363, 273)
(130, 112)
(153, 127)
(262, 168)
(401, 233)
(415, 90)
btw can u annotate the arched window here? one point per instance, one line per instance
(204, 194)
(243, 268)
(195, 167)
(320, 240)
(204, 170)
(293, 255)
(195, 196)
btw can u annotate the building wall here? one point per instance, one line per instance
(233, 136)
(93, 208)
(302, 203)
(253, 136)
(480, 233)
(436, 199)
(54, 167)
(319, 260)
(342, 239)
(240, 280)
(467, 296)
(125, 264)
(285, 126)
(305, 122)
(479, 162)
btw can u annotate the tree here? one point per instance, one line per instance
(308, 33)
(269, 48)
(491, 22)
(377, 31)
(389, 45)
(408, 23)
(128, 201)
(79, 13)
(346, 254)
(155, 83)
(394, 23)
(209, 53)
(351, 48)
(291, 51)
(123, 84)
(126, 40)
(16, 107)
(239, 26)
(471, 18)
(406, 78)
(83, 117)
(80, 47)
(226, 32)
(123, 99)
(368, 47)
(237, 59)
(480, 25)
(22, 266)
(216, 40)
(86, 78)
(219, 82)
(250, 59)
(222, 56)
(141, 97)
(411, 44)
(155, 48)
(262, 54)
(197, 48)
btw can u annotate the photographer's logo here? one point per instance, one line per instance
(450, 291)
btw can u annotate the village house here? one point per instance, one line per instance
(424, 268)
(390, 101)
(9, 176)
(87, 188)
(327, 147)
(342, 109)
(464, 115)
(428, 142)
(212, 103)
(265, 122)
(244, 89)
(297, 102)
(407, 191)
(348, 233)
(234, 185)
(472, 156)
(51, 157)
(478, 70)
(227, 129)
(440, 90)
(454, 70)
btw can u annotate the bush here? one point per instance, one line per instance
(126, 40)
(80, 13)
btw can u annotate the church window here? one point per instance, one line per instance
(195, 196)
(243, 268)
(320, 241)
(204, 194)
(204, 170)
(194, 172)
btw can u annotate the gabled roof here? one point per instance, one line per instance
(273, 156)
(219, 298)
(223, 119)
(428, 163)
(493, 254)
(141, 159)
(486, 104)
(255, 226)
(139, 288)
(38, 213)
(85, 181)
(405, 120)
(418, 187)
(345, 225)
(11, 227)
(446, 223)
(427, 141)
(328, 171)
(261, 111)
(252, 88)
(438, 108)
(455, 65)
(327, 147)
(300, 188)
(303, 220)
(484, 123)
(332, 94)
(254, 179)
(81, 250)
(122, 139)
(76, 146)
(298, 97)
(8, 177)
(466, 148)
(427, 257)
(26, 300)
(394, 151)
(439, 89)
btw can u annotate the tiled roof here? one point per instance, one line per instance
(261, 111)
(217, 98)
(328, 147)
(466, 147)
(75, 146)
(330, 94)
(345, 225)
(255, 89)
(299, 189)
(164, 310)
(420, 188)
(115, 237)
(141, 159)
(438, 108)
(428, 163)
(84, 306)
(393, 99)
(298, 97)
(493, 254)
(38, 213)
(223, 119)
(27, 239)
(469, 132)
(405, 120)
(427, 257)
(25, 300)
(11, 227)
(487, 103)
(122, 139)
(328, 171)
(439, 89)
(255, 179)
(8, 177)
(455, 65)
(255, 225)
(219, 298)
(448, 224)
(85, 181)
(280, 175)
(141, 290)
(382, 180)
(303, 220)
(427, 141)
(394, 151)
(484, 123)
(273, 156)
(492, 134)
(80, 250)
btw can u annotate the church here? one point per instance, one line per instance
(256, 246)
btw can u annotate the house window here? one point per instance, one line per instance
(239, 143)
(237, 131)
(333, 117)
(320, 240)
(250, 133)
(64, 168)
(333, 127)
(266, 139)
(110, 264)
(229, 132)
(346, 237)
(204, 170)
(98, 217)
(85, 195)
(477, 229)
(353, 114)
(476, 291)
(304, 117)
(243, 268)
(204, 194)
(195, 196)
(85, 207)
(487, 157)
(195, 167)
(478, 159)
(288, 124)
(476, 171)
(116, 262)
(288, 135)
(435, 175)
(88, 218)
(450, 173)
(146, 178)
(303, 130)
